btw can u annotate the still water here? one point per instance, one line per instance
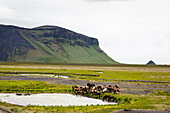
(56, 99)
(49, 75)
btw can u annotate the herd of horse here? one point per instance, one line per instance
(93, 89)
(97, 90)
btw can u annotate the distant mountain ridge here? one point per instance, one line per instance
(50, 44)
(151, 63)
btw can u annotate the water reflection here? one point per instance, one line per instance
(49, 75)
(51, 100)
(99, 72)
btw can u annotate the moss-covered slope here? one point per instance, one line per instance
(50, 44)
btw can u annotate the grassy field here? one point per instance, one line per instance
(107, 75)
(32, 87)
(159, 100)
(109, 67)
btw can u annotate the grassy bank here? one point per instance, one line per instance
(32, 87)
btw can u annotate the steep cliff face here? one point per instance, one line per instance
(66, 36)
(49, 44)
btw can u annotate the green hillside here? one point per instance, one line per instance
(49, 44)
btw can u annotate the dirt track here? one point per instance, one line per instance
(94, 67)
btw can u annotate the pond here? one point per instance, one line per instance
(50, 75)
(99, 72)
(55, 99)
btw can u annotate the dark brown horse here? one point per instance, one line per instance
(90, 85)
(19, 94)
(85, 89)
(99, 87)
(106, 97)
(110, 89)
(111, 99)
(116, 86)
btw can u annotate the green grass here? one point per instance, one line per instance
(78, 54)
(32, 87)
(61, 52)
(161, 93)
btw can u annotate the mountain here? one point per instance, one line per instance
(151, 63)
(49, 44)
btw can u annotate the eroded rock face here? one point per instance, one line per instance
(66, 36)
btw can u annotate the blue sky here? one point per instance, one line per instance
(129, 31)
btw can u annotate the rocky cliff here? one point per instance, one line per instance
(50, 44)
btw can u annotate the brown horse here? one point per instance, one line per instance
(110, 89)
(90, 85)
(77, 89)
(116, 90)
(111, 99)
(106, 97)
(116, 86)
(99, 87)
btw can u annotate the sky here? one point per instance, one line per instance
(129, 31)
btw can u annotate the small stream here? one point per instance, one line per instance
(48, 75)
(56, 99)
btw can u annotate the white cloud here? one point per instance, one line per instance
(5, 11)
(131, 31)
(105, 0)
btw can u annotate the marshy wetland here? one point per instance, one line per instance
(141, 87)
